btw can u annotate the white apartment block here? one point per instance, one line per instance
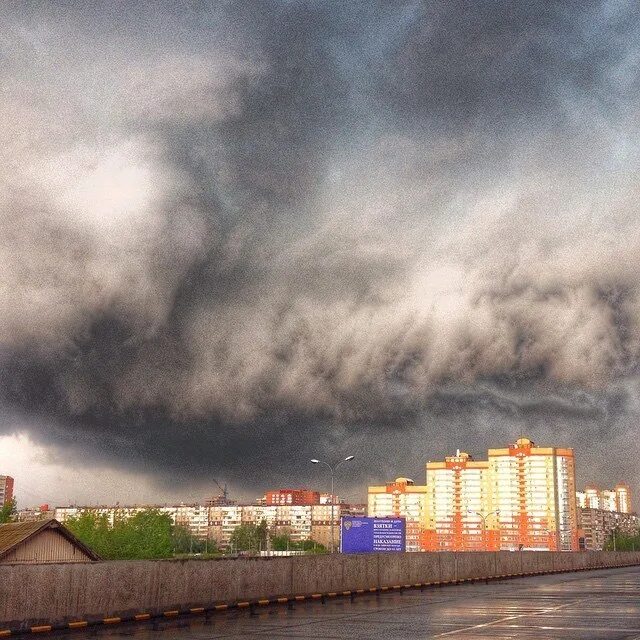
(217, 523)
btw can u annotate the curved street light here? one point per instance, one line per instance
(484, 517)
(332, 469)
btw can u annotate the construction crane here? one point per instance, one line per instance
(225, 494)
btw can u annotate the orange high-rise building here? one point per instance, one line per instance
(402, 498)
(459, 506)
(522, 497)
(535, 494)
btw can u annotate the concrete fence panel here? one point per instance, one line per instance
(475, 565)
(60, 593)
(448, 566)
(424, 568)
(395, 568)
(507, 563)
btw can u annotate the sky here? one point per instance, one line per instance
(237, 235)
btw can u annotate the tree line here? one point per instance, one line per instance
(257, 538)
(147, 535)
(623, 542)
(151, 534)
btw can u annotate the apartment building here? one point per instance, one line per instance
(6, 490)
(617, 499)
(534, 496)
(598, 525)
(217, 523)
(402, 498)
(296, 497)
(521, 497)
(458, 504)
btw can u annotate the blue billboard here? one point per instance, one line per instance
(372, 535)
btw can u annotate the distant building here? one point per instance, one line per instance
(193, 517)
(321, 522)
(522, 497)
(609, 500)
(402, 498)
(623, 498)
(617, 499)
(295, 497)
(6, 490)
(353, 509)
(40, 542)
(223, 520)
(598, 525)
(300, 522)
(218, 501)
(592, 497)
(35, 515)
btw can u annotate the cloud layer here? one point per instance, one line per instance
(242, 233)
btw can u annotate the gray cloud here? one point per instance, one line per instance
(237, 235)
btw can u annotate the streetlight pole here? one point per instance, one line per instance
(484, 517)
(332, 469)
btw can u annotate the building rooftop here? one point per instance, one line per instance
(14, 534)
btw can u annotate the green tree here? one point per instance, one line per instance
(8, 511)
(283, 542)
(185, 542)
(623, 542)
(311, 546)
(249, 537)
(93, 529)
(146, 535)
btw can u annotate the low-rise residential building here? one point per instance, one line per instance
(43, 512)
(598, 525)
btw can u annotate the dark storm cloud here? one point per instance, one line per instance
(238, 235)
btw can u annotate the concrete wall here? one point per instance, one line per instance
(60, 593)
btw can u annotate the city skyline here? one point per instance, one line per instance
(588, 494)
(523, 496)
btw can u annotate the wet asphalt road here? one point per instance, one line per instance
(596, 604)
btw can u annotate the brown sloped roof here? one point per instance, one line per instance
(14, 534)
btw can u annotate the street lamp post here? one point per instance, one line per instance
(332, 469)
(484, 517)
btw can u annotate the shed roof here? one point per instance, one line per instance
(13, 534)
